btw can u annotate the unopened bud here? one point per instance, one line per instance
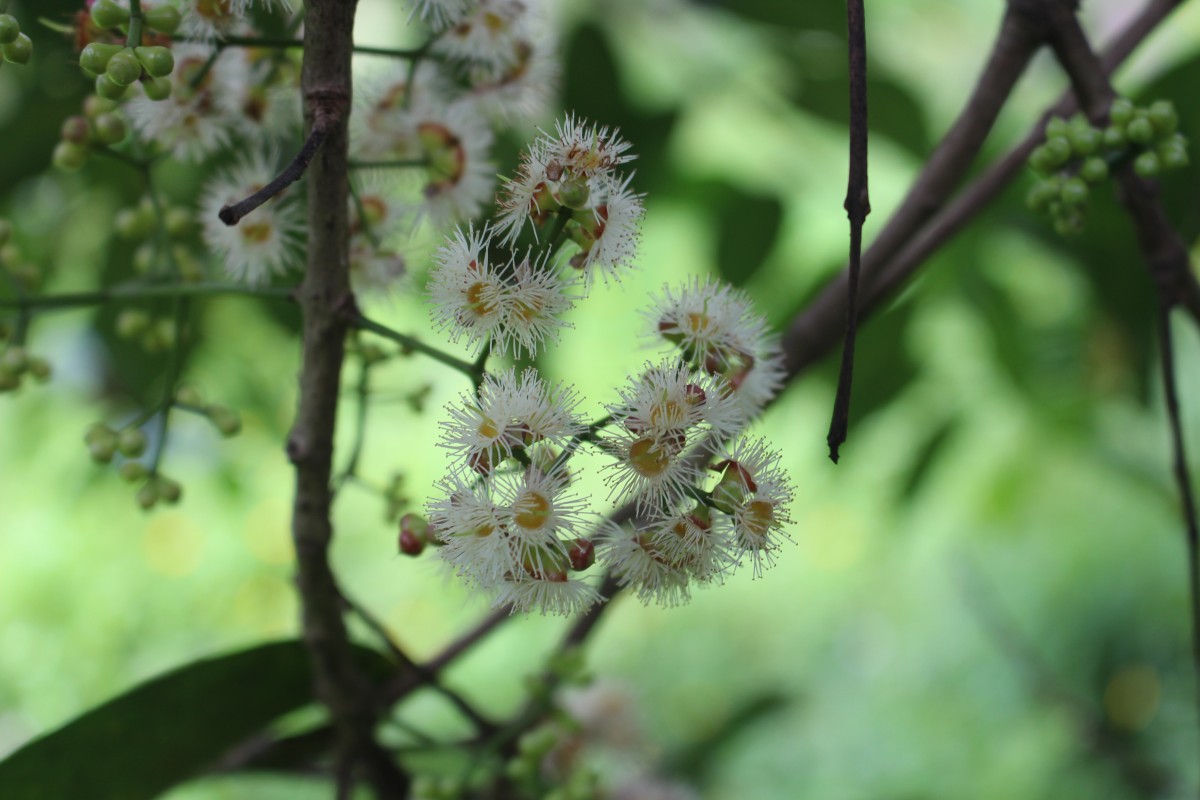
(133, 471)
(224, 419)
(147, 496)
(414, 532)
(582, 554)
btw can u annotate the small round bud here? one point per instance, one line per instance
(123, 68)
(107, 14)
(95, 57)
(224, 419)
(1163, 117)
(147, 496)
(164, 18)
(9, 381)
(188, 396)
(94, 105)
(133, 471)
(1094, 170)
(102, 452)
(69, 156)
(537, 742)
(168, 490)
(15, 360)
(132, 322)
(75, 130)
(1074, 192)
(574, 193)
(1114, 137)
(131, 442)
(40, 369)
(110, 128)
(1040, 195)
(99, 432)
(1139, 130)
(157, 88)
(134, 224)
(18, 51)
(10, 29)
(1086, 141)
(179, 222)
(1148, 165)
(1173, 153)
(1057, 126)
(409, 543)
(165, 333)
(107, 89)
(1058, 151)
(158, 61)
(1121, 111)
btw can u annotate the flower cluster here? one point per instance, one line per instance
(505, 518)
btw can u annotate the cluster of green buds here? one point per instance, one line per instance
(26, 275)
(1077, 155)
(100, 125)
(153, 335)
(140, 223)
(16, 363)
(227, 421)
(116, 67)
(104, 443)
(15, 46)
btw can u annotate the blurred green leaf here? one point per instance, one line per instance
(169, 728)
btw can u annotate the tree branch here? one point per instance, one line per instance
(232, 214)
(858, 206)
(324, 296)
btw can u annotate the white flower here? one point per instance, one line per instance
(638, 564)
(486, 34)
(608, 238)
(558, 594)
(465, 290)
(586, 150)
(266, 241)
(510, 412)
(262, 108)
(717, 329)
(471, 528)
(442, 13)
(524, 86)
(191, 123)
(755, 491)
(533, 304)
(457, 142)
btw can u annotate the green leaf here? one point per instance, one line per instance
(746, 225)
(158, 734)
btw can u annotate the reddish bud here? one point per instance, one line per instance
(582, 554)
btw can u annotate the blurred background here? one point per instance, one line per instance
(987, 598)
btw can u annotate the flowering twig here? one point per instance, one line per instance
(858, 206)
(1169, 264)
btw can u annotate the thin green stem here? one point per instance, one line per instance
(588, 435)
(368, 228)
(135, 24)
(395, 163)
(288, 43)
(140, 291)
(559, 231)
(362, 390)
(415, 345)
(179, 313)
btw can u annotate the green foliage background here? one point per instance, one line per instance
(986, 599)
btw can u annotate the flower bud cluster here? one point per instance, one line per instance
(23, 273)
(1076, 156)
(104, 443)
(16, 363)
(15, 46)
(100, 125)
(117, 65)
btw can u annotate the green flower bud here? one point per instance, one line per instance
(131, 442)
(1094, 170)
(107, 14)
(1173, 153)
(95, 105)
(9, 381)
(96, 55)
(1147, 164)
(10, 29)
(107, 89)
(164, 18)
(1140, 130)
(40, 369)
(76, 130)
(1040, 196)
(110, 128)
(224, 419)
(1058, 150)
(1114, 137)
(69, 156)
(179, 222)
(134, 224)
(147, 496)
(102, 451)
(133, 471)
(157, 88)
(158, 61)
(1057, 126)
(1121, 111)
(1163, 117)
(1074, 192)
(189, 396)
(18, 51)
(123, 68)
(168, 490)
(132, 322)
(99, 432)
(1040, 160)
(1085, 141)
(573, 193)
(15, 360)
